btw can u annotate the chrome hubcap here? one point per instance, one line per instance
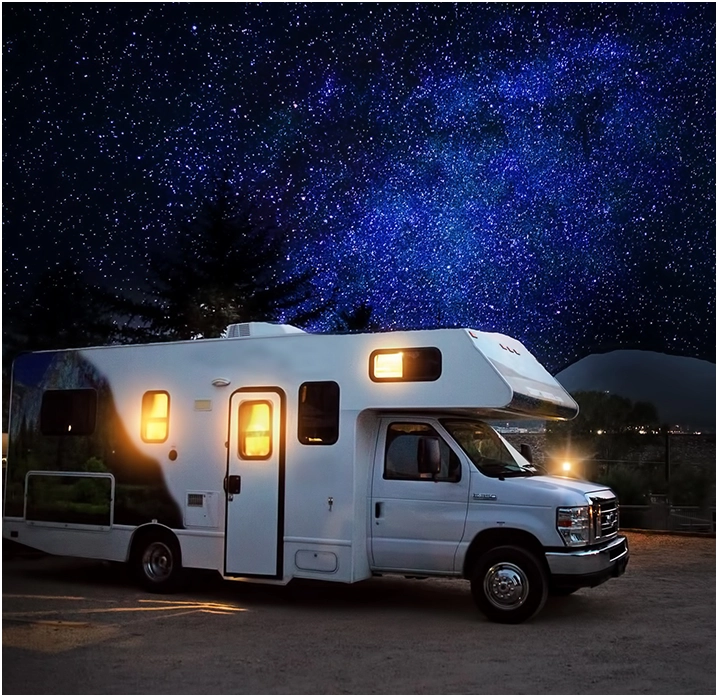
(506, 586)
(157, 562)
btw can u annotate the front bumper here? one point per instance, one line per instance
(589, 567)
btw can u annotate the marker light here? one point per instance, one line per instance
(255, 430)
(389, 365)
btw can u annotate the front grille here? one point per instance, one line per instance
(604, 517)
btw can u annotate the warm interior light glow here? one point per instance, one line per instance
(255, 424)
(155, 416)
(155, 431)
(157, 405)
(566, 466)
(389, 365)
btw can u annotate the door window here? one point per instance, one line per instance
(402, 456)
(255, 430)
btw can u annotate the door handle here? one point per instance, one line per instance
(378, 509)
(233, 484)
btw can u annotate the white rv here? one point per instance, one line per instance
(273, 454)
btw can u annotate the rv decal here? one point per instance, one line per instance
(140, 493)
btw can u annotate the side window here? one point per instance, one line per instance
(155, 416)
(68, 412)
(403, 444)
(318, 413)
(411, 364)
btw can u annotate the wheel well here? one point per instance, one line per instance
(145, 531)
(493, 537)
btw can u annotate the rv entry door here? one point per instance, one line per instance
(254, 484)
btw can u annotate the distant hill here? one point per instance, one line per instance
(683, 390)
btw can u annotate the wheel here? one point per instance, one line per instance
(157, 562)
(509, 584)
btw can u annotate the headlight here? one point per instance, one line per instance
(573, 525)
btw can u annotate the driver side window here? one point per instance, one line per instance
(402, 455)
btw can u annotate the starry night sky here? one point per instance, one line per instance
(547, 171)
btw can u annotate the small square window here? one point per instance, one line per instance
(68, 412)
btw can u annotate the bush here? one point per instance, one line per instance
(690, 485)
(630, 483)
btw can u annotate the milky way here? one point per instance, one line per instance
(545, 171)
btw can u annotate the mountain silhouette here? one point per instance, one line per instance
(682, 389)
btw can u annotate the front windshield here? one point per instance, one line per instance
(485, 448)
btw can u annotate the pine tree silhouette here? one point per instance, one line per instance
(227, 267)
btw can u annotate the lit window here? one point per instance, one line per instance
(409, 364)
(389, 365)
(255, 430)
(155, 416)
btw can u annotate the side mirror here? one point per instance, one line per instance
(429, 455)
(525, 451)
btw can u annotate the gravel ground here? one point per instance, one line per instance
(80, 627)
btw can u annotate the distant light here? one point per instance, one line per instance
(566, 466)
(599, 432)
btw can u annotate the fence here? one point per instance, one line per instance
(663, 517)
(664, 482)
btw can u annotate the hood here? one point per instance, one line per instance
(539, 490)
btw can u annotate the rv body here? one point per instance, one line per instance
(275, 454)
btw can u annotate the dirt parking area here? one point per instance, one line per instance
(81, 627)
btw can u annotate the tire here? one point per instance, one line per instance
(509, 584)
(157, 562)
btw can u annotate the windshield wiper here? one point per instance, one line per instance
(506, 469)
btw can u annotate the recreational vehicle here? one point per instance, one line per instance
(274, 454)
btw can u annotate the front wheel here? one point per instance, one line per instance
(509, 584)
(157, 562)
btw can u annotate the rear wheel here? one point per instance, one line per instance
(157, 561)
(509, 584)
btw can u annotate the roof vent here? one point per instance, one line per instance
(259, 329)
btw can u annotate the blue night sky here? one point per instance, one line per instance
(547, 171)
